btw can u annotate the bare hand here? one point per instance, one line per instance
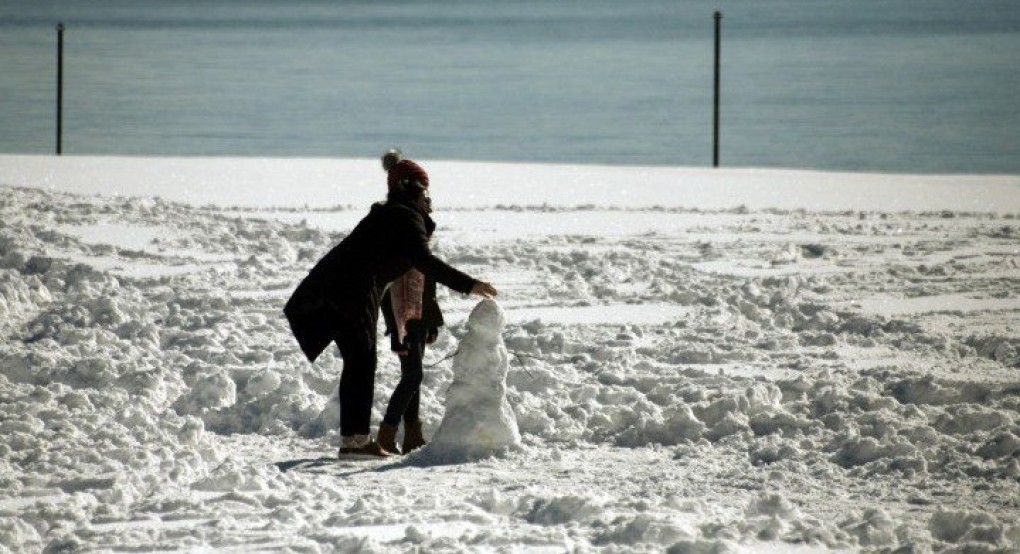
(483, 289)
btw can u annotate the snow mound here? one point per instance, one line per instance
(478, 421)
(149, 410)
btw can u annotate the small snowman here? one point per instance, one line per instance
(478, 421)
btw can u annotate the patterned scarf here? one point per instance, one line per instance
(406, 296)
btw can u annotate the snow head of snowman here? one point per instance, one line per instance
(486, 321)
(481, 356)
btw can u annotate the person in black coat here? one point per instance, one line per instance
(339, 298)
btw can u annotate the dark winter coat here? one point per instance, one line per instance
(341, 294)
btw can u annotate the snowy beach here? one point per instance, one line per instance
(700, 360)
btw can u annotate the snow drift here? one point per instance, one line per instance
(713, 379)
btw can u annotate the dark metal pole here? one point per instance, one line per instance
(715, 113)
(60, 85)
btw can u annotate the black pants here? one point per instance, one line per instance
(357, 382)
(406, 399)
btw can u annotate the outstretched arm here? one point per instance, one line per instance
(426, 262)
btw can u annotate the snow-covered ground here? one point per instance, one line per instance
(699, 361)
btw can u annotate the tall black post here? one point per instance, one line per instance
(60, 85)
(715, 113)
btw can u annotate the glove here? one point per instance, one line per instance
(432, 335)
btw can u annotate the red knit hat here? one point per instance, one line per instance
(406, 170)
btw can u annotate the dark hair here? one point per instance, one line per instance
(406, 191)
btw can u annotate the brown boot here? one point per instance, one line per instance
(369, 451)
(387, 438)
(361, 447)
(413, 437)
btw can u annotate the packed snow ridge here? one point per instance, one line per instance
(789, 380)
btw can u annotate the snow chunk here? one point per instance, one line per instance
(211, 390)
(965, 527)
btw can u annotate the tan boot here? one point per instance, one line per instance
(387, 438)
(413, 437)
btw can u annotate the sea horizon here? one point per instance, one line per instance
(918, 87)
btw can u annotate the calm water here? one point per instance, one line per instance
(869, 85)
